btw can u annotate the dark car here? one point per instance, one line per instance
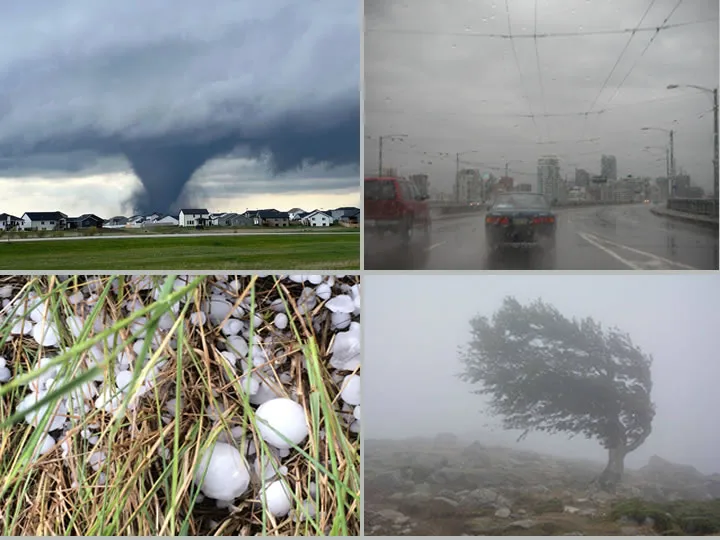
(396, 210)
(521, 220)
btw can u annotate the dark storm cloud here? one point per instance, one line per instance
(431, 73)
(172, 84)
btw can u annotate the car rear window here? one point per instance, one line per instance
(380, 190)
(520, 201)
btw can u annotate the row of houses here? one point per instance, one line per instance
(188, 217)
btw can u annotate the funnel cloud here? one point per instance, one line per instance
(100, 89)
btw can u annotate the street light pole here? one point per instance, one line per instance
(380, 148)
(715, 142)
(672, 165)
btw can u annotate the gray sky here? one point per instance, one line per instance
(429, 75)
(95, 96)
(415, 325)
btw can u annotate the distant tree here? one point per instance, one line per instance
(547, 373)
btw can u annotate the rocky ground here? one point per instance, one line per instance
(444, 486)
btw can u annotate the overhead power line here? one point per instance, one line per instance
(545, 35)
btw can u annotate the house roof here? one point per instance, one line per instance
(347, 210)
(194, 211)
(270, 214)
(323, 212)
(45, 216)
(4, 217)
(84, 217)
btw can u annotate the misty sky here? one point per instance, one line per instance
(242, 96)
(431, 74)
(416, 323)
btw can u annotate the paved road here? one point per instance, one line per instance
(171, 235)
(595, 238)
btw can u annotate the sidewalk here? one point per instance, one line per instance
(698, 219)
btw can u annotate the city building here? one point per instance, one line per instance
(421, 183)
(548, 177)
(582, 178)
(524, 188)
(662, 187)
(468, 186)
(608, 167)
(505, 184)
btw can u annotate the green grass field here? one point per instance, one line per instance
(248, 252)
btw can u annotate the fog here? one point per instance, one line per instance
(415, 325)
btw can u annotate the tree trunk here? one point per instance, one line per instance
(611, 476)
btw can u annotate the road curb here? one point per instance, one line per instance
(689, 218)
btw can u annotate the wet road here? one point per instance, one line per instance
(594, 238)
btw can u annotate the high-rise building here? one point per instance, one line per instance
(467, 186)
(421, 183)
(524, 187)
(608, 167)
(582, 178)
(548, 177)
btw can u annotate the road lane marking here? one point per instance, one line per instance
(436, 245)
(654, 262)
(614, 255)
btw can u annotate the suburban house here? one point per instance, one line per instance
(230, 219)
(296, 214)
(317, 218)
(165, 220)
(116, 222)
(8, 222)
(43, 221)
(85, 221)
(194, 217)
(271, 218)
(135, 222)
(346, 214)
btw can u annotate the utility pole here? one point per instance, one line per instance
(380, 156)
(672, 164)
(715, 142)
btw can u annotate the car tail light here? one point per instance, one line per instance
(497, 220)
(543, 219)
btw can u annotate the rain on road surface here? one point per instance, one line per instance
(594, 238)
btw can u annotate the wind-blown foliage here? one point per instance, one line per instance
(545, 372)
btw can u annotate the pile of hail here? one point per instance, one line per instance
(247, 330)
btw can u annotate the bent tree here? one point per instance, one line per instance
(542, 371)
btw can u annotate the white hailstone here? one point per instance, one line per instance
(230, 357)
(307, 301)
(270, 463)
(3, 362)
(46, 444)
(6, 291)
(235, 286)
(323, 291)
(250, 383)
(283, 453)
(21, 327)
(350, 392)
(198, 318)
(138, 346)
(237, 432)
(265, 392)
(134, 305)
(39, 313)
(297, 279)
(341, 304)
(259, 358)
(314, 279)
(307, 511)
(97, 459)
(277, 498)
(123, 379)
(355, 427)
(281, 321)
(284, 416)
(75, 324)
(166, 321)
(75, 298)
(123, 360)
(219, 310)
(238, 345)
(277, 305)
(356, 412)
(340, 321)
(231, 327)
(5, 374)
(222, 473)
(108, 400)
(45, 335)
(346, 349)
(312, 489)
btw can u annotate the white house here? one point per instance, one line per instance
(43, 221)
(194, 217)
(317, 219)
(166, 220)
(9, 222)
